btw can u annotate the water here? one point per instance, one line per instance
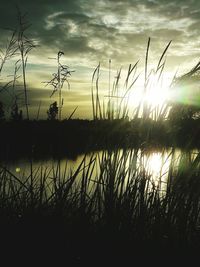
(121, 164)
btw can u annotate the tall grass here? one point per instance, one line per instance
(57, 82)
(115, 105)
(25, 45)
(9, 51)
(111, 194)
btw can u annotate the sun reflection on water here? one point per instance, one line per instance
(154, 165)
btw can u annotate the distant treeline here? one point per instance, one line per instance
(72, 137)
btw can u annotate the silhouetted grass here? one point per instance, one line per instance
(115, 105)
(110, 206)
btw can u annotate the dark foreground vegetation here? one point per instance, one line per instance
(69, 138)
(110, 209)
(118, 214)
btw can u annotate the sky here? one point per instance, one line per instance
(91, 31)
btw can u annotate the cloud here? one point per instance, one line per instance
(91, 31)
(78, 29)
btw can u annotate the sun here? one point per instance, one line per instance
(156, 96)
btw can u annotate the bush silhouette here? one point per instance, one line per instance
(53, 111)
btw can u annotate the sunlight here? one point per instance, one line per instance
(157, 96)
(157, 164)
(154, 163)
(157, 93)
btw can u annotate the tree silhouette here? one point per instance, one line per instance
(185, 105)
(180, 112)
(53, 111)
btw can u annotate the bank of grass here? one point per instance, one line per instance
(110, 207)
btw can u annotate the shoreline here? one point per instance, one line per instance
(41, 139)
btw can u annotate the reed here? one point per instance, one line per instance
(113, 193)
(59, 79)
(111, 196)
(25, 45)
(115, 105)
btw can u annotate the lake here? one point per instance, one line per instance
(122, 165)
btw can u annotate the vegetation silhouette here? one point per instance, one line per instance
(53, 111)
(58, 80)
(120, 212)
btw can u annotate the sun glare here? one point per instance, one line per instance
(155, 96)
(157, 164)
(154, 163)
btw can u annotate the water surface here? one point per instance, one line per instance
(120, 163)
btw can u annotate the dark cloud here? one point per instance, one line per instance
(80, 26)
(89, 31)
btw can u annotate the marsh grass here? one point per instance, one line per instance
(110, 198)
(24, 45)
(115, 105)
(110, 204)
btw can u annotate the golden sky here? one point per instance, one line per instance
(89, 32)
